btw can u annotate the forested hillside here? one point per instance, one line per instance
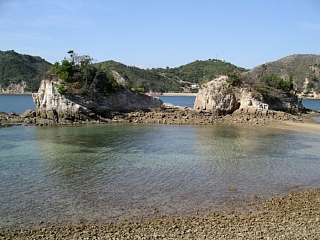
(15, 67)
(200, 71)
(141, 78)
(172, 79)
(304, 69)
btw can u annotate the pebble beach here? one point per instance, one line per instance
(293, 216)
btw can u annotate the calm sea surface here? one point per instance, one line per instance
(182, 101)
(72, 174)
(20, 103)
(16, 103)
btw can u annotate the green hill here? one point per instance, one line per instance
(172, 79)
(141, 78)
(304, 69)
(200, 71)
(15, 68)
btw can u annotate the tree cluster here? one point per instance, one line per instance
(146, 79)
(80, 76)
(272, 87)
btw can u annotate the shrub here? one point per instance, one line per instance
(234, 79)
(139, 90)
(107, 84)
(62, 89)
(310, 85)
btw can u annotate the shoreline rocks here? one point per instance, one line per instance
(170, 116)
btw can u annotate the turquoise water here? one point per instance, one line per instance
(99, 173)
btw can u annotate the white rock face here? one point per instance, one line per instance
(246, 101)
(216, 96)
(51, 104)
(49, 99)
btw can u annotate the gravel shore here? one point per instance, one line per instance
(294, 216)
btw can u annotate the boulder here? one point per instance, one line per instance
(216, 96)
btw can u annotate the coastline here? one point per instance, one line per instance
(291, 216)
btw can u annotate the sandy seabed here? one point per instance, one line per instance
(303, 127)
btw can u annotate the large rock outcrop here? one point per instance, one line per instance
(219, 96)
(52, 105)
(215, 96)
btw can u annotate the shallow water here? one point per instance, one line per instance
(72, 174)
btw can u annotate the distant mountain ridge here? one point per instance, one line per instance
(172, 79)
(21, 71)
(304, 69)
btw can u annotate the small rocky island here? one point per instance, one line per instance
(217, 102)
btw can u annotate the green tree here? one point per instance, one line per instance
(79, 75)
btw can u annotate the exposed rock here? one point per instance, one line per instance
(118, 77)
(14, 88)
(215, 96)
(219, 96)
(55, 107)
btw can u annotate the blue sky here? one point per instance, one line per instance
(161, 33)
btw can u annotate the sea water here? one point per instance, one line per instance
(111, 172)
(100, 173)
(16, 103)
(21, 102)
(182, 101)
